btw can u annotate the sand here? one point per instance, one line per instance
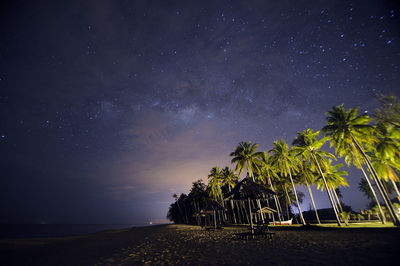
(192, 245)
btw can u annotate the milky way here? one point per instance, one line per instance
(107, 108)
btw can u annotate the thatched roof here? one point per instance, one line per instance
(210, 208)
(247, 188)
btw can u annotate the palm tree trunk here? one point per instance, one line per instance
(297, 200)
(312, 200)
(273, 217)
(245, 210)
(281, 218)
(251, 219)
(223, 212)
(338, 205)
(337, 198)
(335, 206)
(259, 207)
(180, 210)
(241, 212)
(395, 188)
(326, 186)
(372, 189)
(276, 201)
(233, 212)
(382, 190)
(288, 203)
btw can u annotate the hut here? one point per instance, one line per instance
(247, 190)
(208, 215)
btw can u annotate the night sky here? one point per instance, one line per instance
(107, 108)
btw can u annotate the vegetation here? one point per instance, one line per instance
(371, 144)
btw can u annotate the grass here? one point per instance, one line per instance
(334, 225)
(359, 225)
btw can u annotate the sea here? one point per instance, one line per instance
(8, 231)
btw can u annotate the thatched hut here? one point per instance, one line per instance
(250, 190)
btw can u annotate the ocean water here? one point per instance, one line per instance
(55, 230)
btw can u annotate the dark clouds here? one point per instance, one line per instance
(107, 108)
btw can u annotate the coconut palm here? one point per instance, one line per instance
(282, 160)
(214, 183)
(307, 145)
(268, 174)
(349, 131)
(389, 113)
(175, 196)
(307, 177)
(245, 156)
(384, 170)
(334, 179)
(388, 142)
(352, 157)
(228, 178)
(285, 194)
(366, 190)
(387, 153)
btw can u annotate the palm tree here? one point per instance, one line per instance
(384, 170)
(283, 161)
(307, 177)
(307, 145)
(366, 190)
(267, 175)
(334, 178)
(245, 155)
(389, 113)
(351, 156)
(388, 142)
(349, 132)
(228, 178)
(286, 195)
(387, 153)
(175, 196)
(214, 183)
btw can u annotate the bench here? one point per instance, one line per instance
(258, 230)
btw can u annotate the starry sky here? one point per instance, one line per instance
(107, 108)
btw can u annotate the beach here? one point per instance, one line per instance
(192, 245)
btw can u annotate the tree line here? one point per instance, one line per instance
(370, 144)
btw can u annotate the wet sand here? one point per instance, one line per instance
(192, 245)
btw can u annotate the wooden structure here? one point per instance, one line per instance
(208, 215)
(247, 190)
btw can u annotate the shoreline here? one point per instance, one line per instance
(186, 244)
(24, 231)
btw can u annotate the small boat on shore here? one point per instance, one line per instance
(288, 222)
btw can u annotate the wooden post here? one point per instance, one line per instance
(251, 220)
(215, 221)
(261, 213)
